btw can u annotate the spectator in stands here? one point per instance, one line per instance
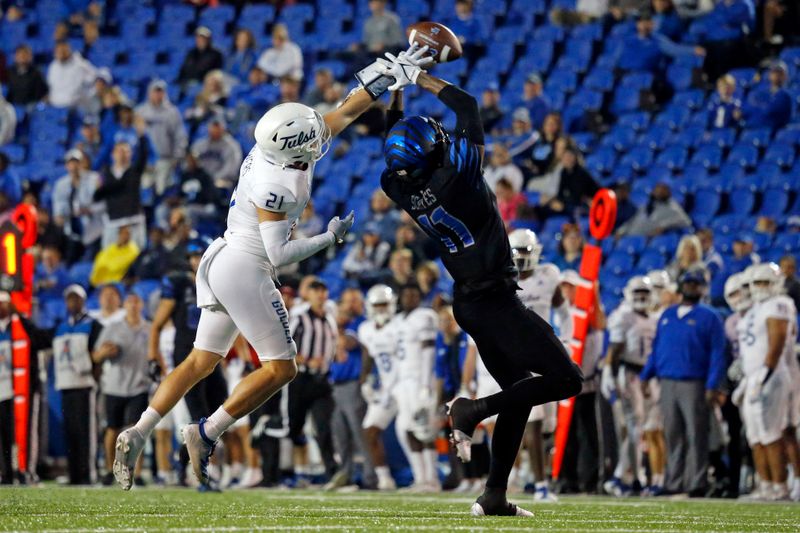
(48, 234)
(26, 85)
(723, 33)
(10, 184)
(688, 359)
(536, 153)
(166, 130)
(509, 201)
(249, 99)
(153, 262)
(574, 186)
(781, 18)
(689, 256)
(647, 49)
(570, 248)
(112, 263)
(290, 90)
(69, 76)
(666, 19)
(284, 58)
(383, 213)
(661, 214)
(427, 277)
(121, 349)
(712, 260)
(467, 27)
(491, 112)
(243, 58)
(323, 80)
(626, 209)
(89, 140)
(110, 301)
(90, 33)
(401, 268)
(122, 130)
(766, 225)
(382, 30)
(585, 11)
(724, 109)
(332, 97)
(770, 106)
(219, 154)
(8, 121)
(534, 99)
(500, 166)
(92, 104)
(121, 188)
(73, 343)
(368, 256)
(210, 100)
(177, 239)
(408, 237)
(74, 208)
(197, 192)
(51, 276)
(788, 266)
(743, 254)
(201, 59)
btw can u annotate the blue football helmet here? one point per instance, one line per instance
(415, 146)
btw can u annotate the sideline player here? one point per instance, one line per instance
(438, 181)
(540, 291)
(765, 394)
(631, 331)
(380, 342)
(235, 287)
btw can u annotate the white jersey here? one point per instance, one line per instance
(381, 344)
(537, 291)
(635, 331)
(267, 186)
(413, 330)
(753, 335)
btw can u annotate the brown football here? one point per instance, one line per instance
(443, 43)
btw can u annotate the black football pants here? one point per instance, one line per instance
(515, 342)
(6, 441)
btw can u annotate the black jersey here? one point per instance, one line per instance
(179, 286)
(459, 212)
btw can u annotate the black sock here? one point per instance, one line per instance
(506, 439)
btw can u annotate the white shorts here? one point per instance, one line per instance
(409, 398)
(765, 409)
(545, 413)
(241, 283)
(380, 412)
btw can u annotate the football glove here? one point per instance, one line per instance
(608, 383)
(339, 227)
(406, 67)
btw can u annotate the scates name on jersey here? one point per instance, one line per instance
(457, 210)
(413, 331)
(753, 335)
(381, 344)
(266, 186)
(635, 331)
(537, 291)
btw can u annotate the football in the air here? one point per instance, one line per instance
(443, 43)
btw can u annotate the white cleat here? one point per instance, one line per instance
(386, 484)
(543, 495)
(477, 510)
(130, 444)
(200, 450)
(795, 492)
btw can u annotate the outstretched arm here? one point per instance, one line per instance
(395, 111)
(353, 106)
(275, 233)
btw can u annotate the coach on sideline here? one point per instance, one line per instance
(688, 358)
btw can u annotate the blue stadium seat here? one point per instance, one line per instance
(547, 33)
(79, 272)
(624, 102)
(620, 138)
(638, 120)
(639, 158)
(601, 161)
(774, 202)
(618, 264)
(758, 137)
(722, 137)
(631, 244)
(673, 158)
(664, 244)
(708, 156)
(745, 77)
(761, 241)
(706, 205)
(787, 242)
(584, 141)
(692, 98)
(690, 136)
(651, 260)
(674, 116)
(600, 79)
(680, 77)
(656, 137)
(741, 201)
(563, 81)
(780, 154)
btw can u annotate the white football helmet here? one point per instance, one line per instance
(737, 292)
(525, 249)
(765, 280)
(381, 295)
(292, 133)
(638, 293)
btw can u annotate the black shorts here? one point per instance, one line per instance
(513, 340)
(124, 411)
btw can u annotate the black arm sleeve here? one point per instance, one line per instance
(468, 116)
(392, 117)
(94, 334)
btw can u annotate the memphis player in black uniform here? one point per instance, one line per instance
(438, 180)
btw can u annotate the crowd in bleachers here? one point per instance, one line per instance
(125, 122)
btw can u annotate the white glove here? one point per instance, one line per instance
(368, 391)
(406, 67)
(339, 227)
(608, 383)
(737, 398)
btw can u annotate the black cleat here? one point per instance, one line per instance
(462, 415)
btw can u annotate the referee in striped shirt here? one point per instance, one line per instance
(315, 332)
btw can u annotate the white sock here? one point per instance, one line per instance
(417, 467)
(383, 472)
(541, 484)
(430, 459)
(658, 480)
(218, 423)
(148, 422)
(236, 470)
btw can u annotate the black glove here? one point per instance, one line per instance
(154, 370)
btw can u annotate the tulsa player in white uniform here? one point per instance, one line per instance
(765, 395)
(235, 289)
(540, 291)
(378, 336)
(414, 393)
(631, 332)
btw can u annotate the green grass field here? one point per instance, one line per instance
(66, 509)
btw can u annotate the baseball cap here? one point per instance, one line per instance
(157, 83)
(493, 86)
(75, 289)
(104, 74)
(534, 77)
(743, 237)
(779, 65)
(522, 114)
(5, 297)
(73, 154)
(204, 31)
(318, 284)
(90, 120)
(218, 119)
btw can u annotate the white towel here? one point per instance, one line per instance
(205, 296)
